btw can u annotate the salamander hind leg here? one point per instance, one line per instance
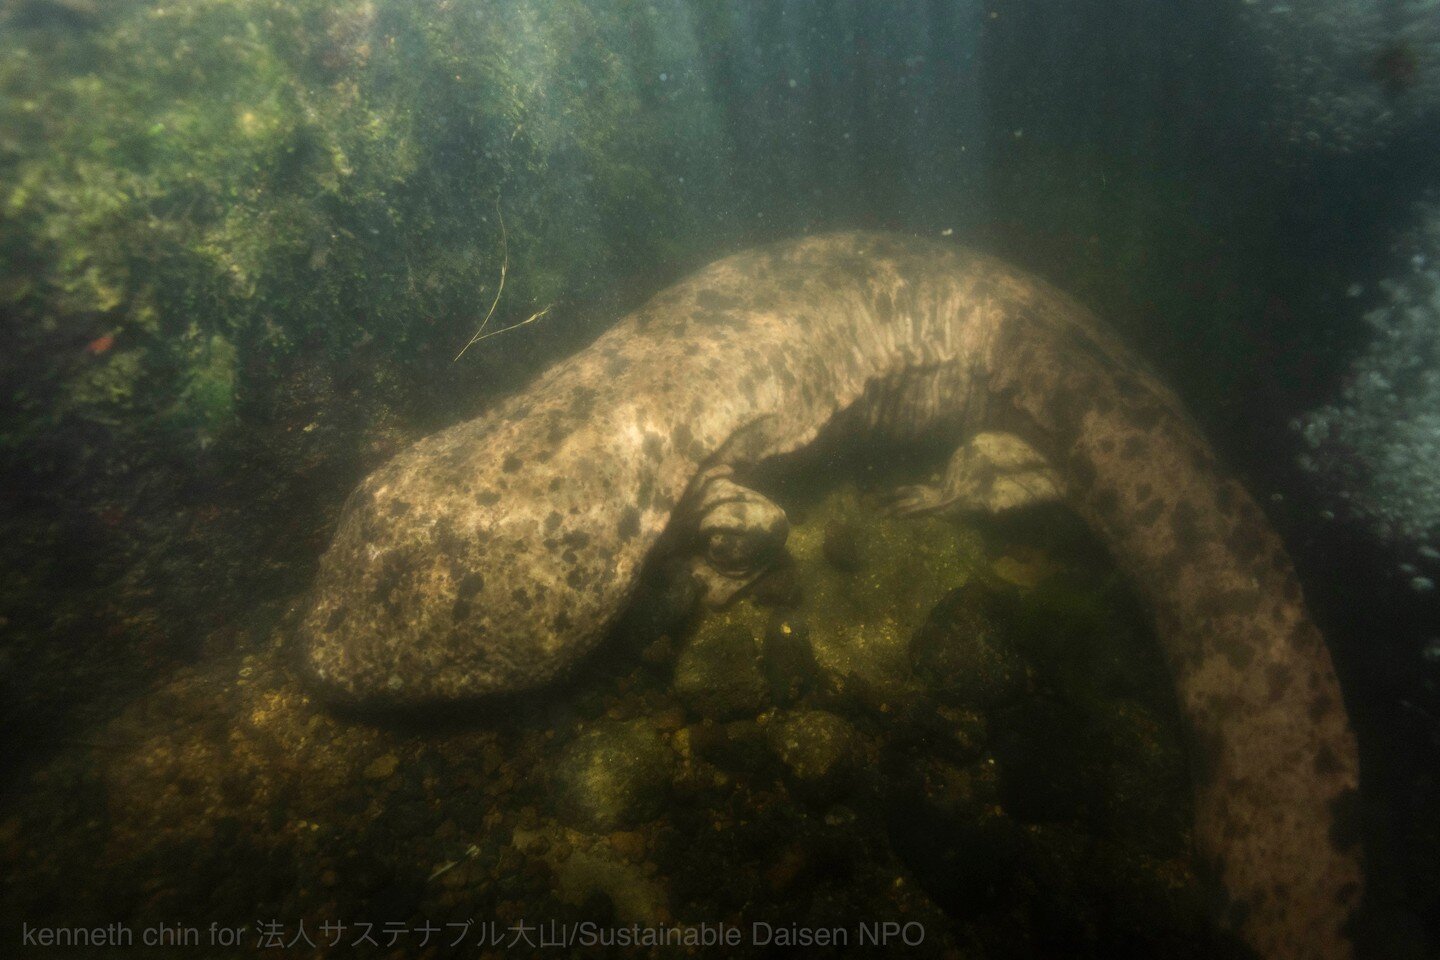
(990, 473)
(738, 535)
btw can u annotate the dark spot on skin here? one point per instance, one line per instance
(1132, 448)
(682, 437)
(1107, 502)
(1082, 474)
(849, 266)
(747, 387)
(398, 507)
(461, 610)
(472, 584)
(1184, 525)
(448, 541)
(1277, 679)
(487, 498)
(575, 578)
(1106, 445)
(1239, 653)
(1144, 418)
(653, 446)
(629, 524)
(1326, 764)
(561, 623)
(713, 300)
(1247, 542)
(332, 623)
(569, 556)
(615, 366)
(521, 598)
(512, 463)
(1321, 707)
(1149, 513)
(581, 401)
(576, 539)
(1172, 565)
(1231, 603)
(884, 307)
(1345, 819)
(1061, 404)
(552, 522)
(781, 371)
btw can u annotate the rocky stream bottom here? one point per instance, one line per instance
(952, 737)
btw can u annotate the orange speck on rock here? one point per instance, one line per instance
(100, 344)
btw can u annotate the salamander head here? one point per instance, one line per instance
(459, 571)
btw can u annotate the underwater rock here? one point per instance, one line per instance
(718, 673)
(614, 776)
(1042, 751)
(859, 624)
(585, 866)
(822, 754)
(965, 652)
(789, 663)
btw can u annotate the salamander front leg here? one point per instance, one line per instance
(990, 473)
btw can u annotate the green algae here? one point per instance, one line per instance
(279, 174)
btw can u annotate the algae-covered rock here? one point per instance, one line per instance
(718, 673)
(966, 652)
(614, 776)
(585, 866)
(822, 754)
(789, 663)
(868, 590)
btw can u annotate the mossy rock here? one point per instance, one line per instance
(718, 674)
(966, 653)
(615, 775)
(867, 583)
(789, 662)
(822, 754)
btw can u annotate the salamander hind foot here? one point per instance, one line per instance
(989, 473)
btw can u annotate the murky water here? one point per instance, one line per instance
(252, 250)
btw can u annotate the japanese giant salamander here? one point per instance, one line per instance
(492, 556)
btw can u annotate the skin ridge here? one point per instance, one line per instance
(493, 556)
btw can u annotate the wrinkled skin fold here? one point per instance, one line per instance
(493, 556)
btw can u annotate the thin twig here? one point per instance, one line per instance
(504, 268)
(531, 319)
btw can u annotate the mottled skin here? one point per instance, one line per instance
(492, 556)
